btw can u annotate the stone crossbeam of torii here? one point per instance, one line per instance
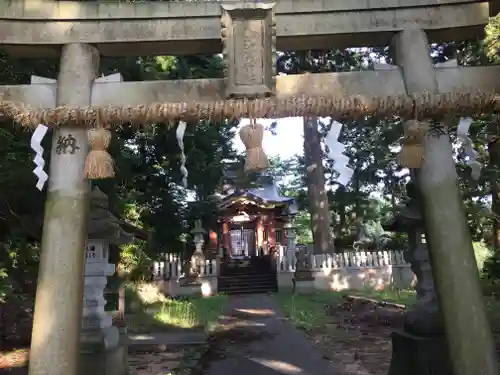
(248, 34)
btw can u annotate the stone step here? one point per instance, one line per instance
(251, 276)
(253, 289)
(248, 284)
(246, 280)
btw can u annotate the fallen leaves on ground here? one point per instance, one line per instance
(356, 336)
(140, 362)
(155, 362)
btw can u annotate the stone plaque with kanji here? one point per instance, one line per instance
(248, 33)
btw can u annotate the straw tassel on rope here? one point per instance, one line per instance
(412, 146)
(99, 164)
(251, 135)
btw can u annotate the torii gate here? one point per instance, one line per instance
(251, 31)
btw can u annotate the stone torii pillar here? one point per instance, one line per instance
(59, 297)
(454, 266)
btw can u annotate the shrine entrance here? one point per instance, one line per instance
(248, 35)
(252, 225)
(243, 243)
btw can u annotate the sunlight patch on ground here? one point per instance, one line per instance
(143, 337)
(160, 311)
(235, 323)
(283, 367)
(14, 358)
(260, 312)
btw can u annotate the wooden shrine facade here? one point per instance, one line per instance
(252, 222)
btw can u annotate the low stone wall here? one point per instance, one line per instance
(356, 278)
(339, 271)
(325, 279)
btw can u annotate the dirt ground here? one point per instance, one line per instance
(154, 362)
(140, 361)
(356, 337)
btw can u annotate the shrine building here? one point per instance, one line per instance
(254, 219)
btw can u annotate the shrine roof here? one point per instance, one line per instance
(266, 193)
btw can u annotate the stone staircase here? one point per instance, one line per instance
(251, 275)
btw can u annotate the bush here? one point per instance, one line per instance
(483, 254)
(134, 263)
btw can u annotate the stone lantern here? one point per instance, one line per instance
(291, 235)
(103, 349)
(303, 279)
(421, 347)
(195, 268)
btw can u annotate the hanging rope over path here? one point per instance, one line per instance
(426, 106)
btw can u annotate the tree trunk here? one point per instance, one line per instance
(390, 181)
(342, 217)
(318, 200)
(494, 151)
(358, 212)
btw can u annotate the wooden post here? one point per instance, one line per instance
(271, 230)
(59, 297)
(455, 271)
(226, 237)
(260, 233)
(121, 302)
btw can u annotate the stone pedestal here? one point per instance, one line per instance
(190, 283)
(190, 288)
(303, 286)
(109, 361)
(424, 317)
(303, 280)
(416, 355)
(103, 350)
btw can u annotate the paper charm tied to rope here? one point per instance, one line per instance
(336, 153)
(469, 152)
(181, 130)
(36, 145)
(252, 135)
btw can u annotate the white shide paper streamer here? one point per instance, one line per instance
(181, 129)
(36, 145)
(336, 153)
(471, 154)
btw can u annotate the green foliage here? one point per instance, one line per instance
(492, 40)
(483, 256)
(5, 285)
(400, 296)
(303, 222)
(307, 311)
(192, 312)
(159, 313)
(135, 264)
